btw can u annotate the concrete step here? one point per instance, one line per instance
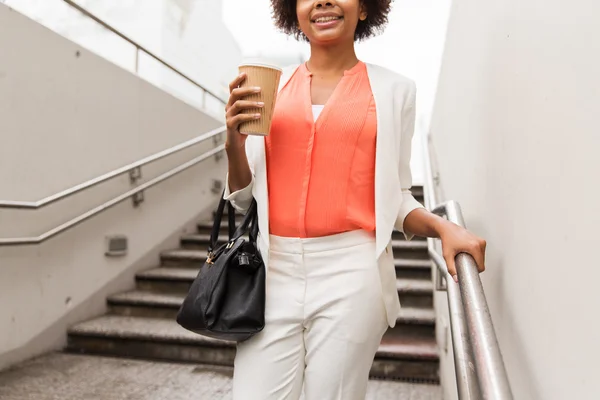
(424, 349)
(160, 338)
(416, 293)
(413, 269)
(205, 227)
(414, 249)
(418, 192)
(151, 338)
(200, 241)
(416, 358)
(140, 303)
(183, 258)
(412, 264)
(166, 279)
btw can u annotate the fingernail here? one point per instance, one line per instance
(256, 89)
(256, 116)
(260, 104)
(455, 278)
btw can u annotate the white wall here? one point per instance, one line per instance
(195, 37)
(64, 119)
(516, 136)
(188, 34)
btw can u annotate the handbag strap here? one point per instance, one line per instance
(216, 228)
(231, 215)
(254, 227)
(250, 221)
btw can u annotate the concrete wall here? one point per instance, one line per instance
(67, 115)
(189, 34)
(516, 139)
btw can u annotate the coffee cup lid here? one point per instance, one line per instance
(255, 64)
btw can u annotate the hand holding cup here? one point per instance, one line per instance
(237, 104)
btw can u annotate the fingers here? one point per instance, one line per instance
(450, 264)
(234, 122)
(239, 93)
(462, 241)
(483, 250)
(477, 250)
(235, 115)
(242, 105)
(237, 81)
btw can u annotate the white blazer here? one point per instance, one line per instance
(394, 97)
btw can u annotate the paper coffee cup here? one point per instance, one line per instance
(267, 78)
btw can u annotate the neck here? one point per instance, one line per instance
(332, 60)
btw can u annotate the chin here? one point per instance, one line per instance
(328, 38)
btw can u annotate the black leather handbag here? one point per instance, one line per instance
(227, 298)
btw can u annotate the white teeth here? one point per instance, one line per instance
(326, 19)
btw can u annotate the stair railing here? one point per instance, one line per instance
(139, 48)
(480, 370)
(133, 169)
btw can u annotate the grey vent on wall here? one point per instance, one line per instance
(116, 245)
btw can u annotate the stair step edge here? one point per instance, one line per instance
(408, 351)
(153, 330)
(140, 298)
(407, 286)
(144, 329)
(414, 286)
(148, 299)
(168, 274)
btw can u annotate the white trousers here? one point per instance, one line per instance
(325, 317)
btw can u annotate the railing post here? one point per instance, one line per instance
(137, 60)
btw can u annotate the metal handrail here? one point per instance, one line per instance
(34, 205)
(466, 378)
(480, 370)
(109, 204)
(142, 48)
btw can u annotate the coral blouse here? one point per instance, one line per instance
(321, 171)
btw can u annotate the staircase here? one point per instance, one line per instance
(141, 323)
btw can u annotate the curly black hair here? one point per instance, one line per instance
(284, 15)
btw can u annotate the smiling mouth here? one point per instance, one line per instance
(321, 20)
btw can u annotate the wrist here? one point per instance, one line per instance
(234, 149)
(442, 227)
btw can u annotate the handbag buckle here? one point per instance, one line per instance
(209, 258)
(229, 245)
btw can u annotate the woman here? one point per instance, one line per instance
(331, 182)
